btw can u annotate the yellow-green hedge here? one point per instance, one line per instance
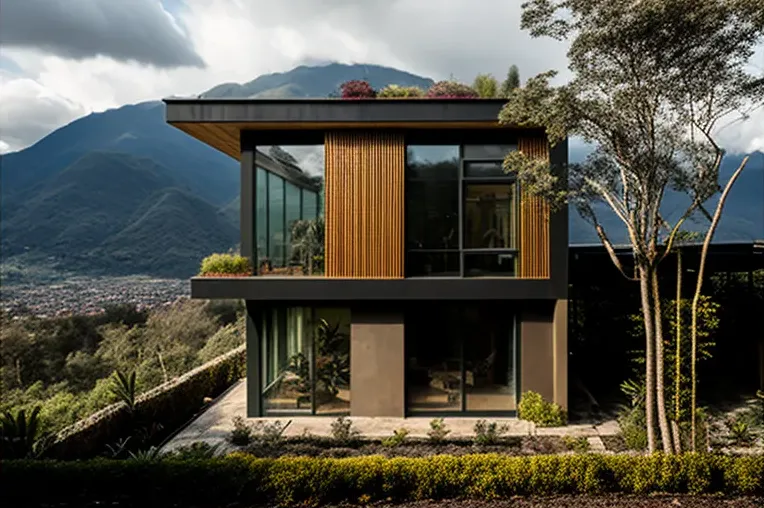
(225, 264)
(248, 481)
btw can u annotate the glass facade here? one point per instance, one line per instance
(461, 211)
(460, 358)
(288, 209)
(305, 360)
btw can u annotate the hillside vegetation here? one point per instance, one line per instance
(64, 364)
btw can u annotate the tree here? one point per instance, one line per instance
(486, 86)
(652, 83)
(512, 81)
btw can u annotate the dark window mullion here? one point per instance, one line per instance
(461, 211)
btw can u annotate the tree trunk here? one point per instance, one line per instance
(678, 359)
(644, 283)
(660, 391)
(696, 298)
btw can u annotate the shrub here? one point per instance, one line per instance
(451, 90)
(343, 431)
(576, 444)
(739, 432)
(534, 408)
(242, 432)
(488, 433)
(221, 265)
(239, 480)
(396, 91)
(194, 451)
(438, 430)
(357, 89)
(486, 86)
(398, 438)
(269, 434)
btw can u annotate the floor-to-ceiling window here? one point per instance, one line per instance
(305, 360)
(461, 211)
(460, 357)
(288, 209)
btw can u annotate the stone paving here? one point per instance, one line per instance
(214, 424)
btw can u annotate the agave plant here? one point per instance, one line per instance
(20, 435)
(148, 455)
(123, 387)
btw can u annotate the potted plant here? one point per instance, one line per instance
(225, 265)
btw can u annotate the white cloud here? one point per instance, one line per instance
(241, 39)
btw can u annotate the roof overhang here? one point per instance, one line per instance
(219, 122)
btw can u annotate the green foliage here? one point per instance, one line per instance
(343, 431)
(633, 423)
(438, 430)
(488, 433)
(511, 82)
(486, 86)
(397, 439)
(150, 454)
(332, 357)
(269, 433)
(225, 264)
(451, 90)
(20, 435)
(224, 340)
(242, 432)
(534, 408)
(307, 242)
(199, 450)
(576, 444)
(396, 91)
(300, 481)
(739, 432)
(123, 388)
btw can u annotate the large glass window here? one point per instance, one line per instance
(288, 219)
(305, 360)
(461, 211)
(432, 209)
(460, 358)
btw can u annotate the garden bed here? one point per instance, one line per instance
(327, 447)
(583, 501)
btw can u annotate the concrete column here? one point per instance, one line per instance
(537, 353)
(377, 364)
(560, 338)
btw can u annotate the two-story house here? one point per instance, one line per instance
(399, 269)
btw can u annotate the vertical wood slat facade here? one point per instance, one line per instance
(534, 219)
(364, 208)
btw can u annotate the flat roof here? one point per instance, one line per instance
(220, 121)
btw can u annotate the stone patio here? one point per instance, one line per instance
(214, 424)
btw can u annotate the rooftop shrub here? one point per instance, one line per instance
(451, 90)
(243, 480)
(396, 91)
(225, 265)
(357, 89)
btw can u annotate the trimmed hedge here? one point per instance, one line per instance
(170, 404)
(242, 479)
(221, 265)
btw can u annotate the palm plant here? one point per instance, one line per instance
(20, 434)
(123, 387)
(308, 241)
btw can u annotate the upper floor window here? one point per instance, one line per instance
(289, 183)
(461, 211)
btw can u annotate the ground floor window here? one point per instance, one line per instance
(305, 360)
(460, 358)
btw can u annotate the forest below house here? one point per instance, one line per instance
(64, 364)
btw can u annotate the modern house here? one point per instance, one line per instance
(399, 270)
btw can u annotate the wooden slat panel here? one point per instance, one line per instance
(534, 220)
(364, 204)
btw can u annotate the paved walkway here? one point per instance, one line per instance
(214, 424)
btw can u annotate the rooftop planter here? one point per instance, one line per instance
(225, 265)
(359, 89)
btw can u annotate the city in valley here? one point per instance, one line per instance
(89, 295)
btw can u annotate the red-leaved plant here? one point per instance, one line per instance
(357, 89)
(451, 90)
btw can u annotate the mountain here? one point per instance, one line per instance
(122, 192)
(742, 218)
(321, 81)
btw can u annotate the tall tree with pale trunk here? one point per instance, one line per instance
(652, 82)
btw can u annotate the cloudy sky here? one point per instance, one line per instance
(61, 59)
